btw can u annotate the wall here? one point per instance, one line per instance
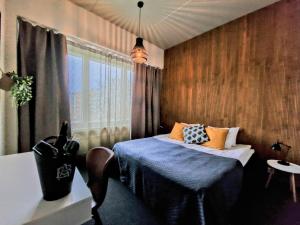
(245, 73)
(69, 19)
(2, 93)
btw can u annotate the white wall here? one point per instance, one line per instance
(69, 19)
(2, 93)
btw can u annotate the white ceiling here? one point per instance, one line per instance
(166, 23)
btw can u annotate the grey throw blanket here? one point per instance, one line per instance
(182, 185)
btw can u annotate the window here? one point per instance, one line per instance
(100, 86)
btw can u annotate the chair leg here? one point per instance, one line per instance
(96, 216)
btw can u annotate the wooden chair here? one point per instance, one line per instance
(97, 163)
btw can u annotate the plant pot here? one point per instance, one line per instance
(6, 82)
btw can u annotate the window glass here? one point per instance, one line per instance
(100, 90)
(75, 66)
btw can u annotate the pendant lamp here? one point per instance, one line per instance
(139, 53)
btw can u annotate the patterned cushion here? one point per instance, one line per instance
(195, 134)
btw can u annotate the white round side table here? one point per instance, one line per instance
(292, 169)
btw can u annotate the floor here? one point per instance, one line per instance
(273, 206)
(121, 207)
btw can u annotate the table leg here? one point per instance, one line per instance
(270, 177)
(293, 186)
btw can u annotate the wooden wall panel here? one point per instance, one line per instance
(245, 73)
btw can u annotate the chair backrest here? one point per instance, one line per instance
(97, 163)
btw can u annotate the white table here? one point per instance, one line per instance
(21, 199)
(292, 169)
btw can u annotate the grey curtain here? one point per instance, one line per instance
(43, 55)
(145, 101)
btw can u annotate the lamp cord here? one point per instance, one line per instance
(140, 23)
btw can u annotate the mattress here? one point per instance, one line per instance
(240, 152)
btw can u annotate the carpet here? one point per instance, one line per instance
(272, 206)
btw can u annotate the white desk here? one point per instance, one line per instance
(21, 199)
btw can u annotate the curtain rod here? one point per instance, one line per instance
(95, 46)
(75, 39)
(34, 23)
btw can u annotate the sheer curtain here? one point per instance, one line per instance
(100, 89)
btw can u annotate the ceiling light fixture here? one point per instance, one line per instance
(139, 53)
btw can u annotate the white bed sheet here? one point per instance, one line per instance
(240, 152)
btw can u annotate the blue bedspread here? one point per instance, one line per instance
(182, 185)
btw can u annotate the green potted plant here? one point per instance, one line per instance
(20, 87)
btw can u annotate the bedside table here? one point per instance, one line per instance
(292, 169)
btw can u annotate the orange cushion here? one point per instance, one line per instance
(217, 137)
(177, 131)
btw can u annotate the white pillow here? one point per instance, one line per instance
(231, 137)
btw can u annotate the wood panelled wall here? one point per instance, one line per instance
(245, 73)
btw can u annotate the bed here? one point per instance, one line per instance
(183, 183)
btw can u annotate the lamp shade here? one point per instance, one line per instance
(276, 146)
(139, 53)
